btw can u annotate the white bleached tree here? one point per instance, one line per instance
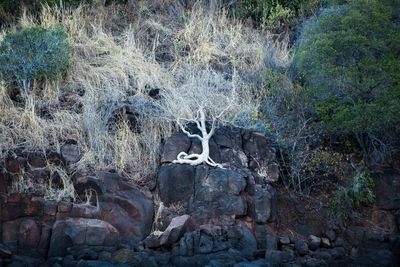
(204, 98)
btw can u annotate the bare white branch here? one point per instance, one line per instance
(201, 96)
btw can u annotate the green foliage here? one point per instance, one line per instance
(358, 192)
(285, 96)
(33, 53)
(349, 59)
(274, 14)
(280, 17)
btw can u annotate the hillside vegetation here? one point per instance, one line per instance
(321, 78)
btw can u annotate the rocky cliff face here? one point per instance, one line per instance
(193, 216)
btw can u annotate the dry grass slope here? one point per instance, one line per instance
(112, 68)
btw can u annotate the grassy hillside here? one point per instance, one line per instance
(302, 72)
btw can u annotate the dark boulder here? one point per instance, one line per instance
(176, 184)
(274, 257)
(261, 155)
(223, 187)
(81, 232)
(174, 145)
(53, 158)
(28, 234)
(152, 242)
(285, 240)
(314, 242)
(175, 230)
(87, 254)
(262, 205)
(381, 257)
(206, 243)
(257, 146)
(196, 148)
(36, 159)
(387, 190)
(121, 204)
(5, 252)
(338, 252)
(354, 235)
(14, 163)
(247, 243)
(228, 137)
(69, 154)
(235, 157)
(301, 247)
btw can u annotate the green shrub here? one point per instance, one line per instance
(358, 192)
(274, 14)
(349, 59)
(33, 53)
(280, 17)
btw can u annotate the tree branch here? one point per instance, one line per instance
(187, 132)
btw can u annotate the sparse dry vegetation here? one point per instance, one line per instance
(113, 68)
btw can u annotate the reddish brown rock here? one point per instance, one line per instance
(28, 234)
(15, 164)
(50, 208)
(175, 230)
(14, 198)
(10, 230)
(134, 225)
(22, 205)
(84, 211)
(32, 206)
(115, 201)
(81, 232)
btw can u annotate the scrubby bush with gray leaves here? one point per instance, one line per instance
(34, 53)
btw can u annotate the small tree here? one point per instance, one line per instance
(33, 53)
(203, 98)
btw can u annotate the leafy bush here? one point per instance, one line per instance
(349, 59)
(304, 163)
(358, 192)
(33, 53)
(274, 14)
(280, 17)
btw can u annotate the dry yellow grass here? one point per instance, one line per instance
(109, 70)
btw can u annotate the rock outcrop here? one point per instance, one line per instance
(207, 216)
(35, 227)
